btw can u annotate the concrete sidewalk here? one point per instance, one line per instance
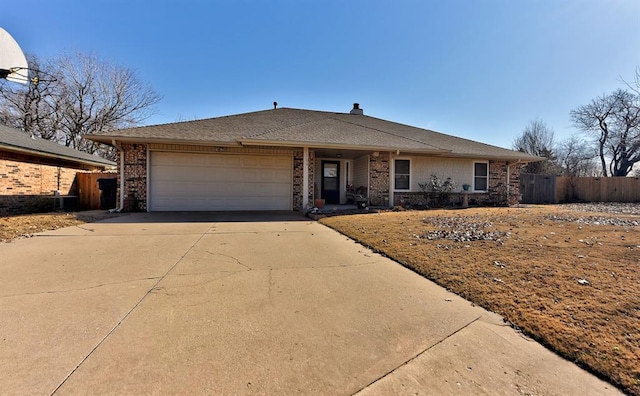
(193, 303)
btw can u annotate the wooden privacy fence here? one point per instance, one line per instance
(88, 189)
(557, 189)
(537, 188)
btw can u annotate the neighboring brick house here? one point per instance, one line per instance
(32, 168)
(284, 159)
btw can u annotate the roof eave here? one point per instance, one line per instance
(106, 139)
(23, 150)
(498, 157)
(260, 142)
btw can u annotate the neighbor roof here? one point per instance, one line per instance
(314, 129)
(18, 141)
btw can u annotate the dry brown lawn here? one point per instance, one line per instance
(24, 226)
(566, 275)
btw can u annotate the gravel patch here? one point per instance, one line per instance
(457, 221)
(465, 236)
(595, 220)
(461, 229)
(605, 207)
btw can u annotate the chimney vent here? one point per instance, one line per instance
(356, 109)
(275, 105)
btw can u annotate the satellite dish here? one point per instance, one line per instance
(13, 64)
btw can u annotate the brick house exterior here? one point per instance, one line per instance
(33, 169)
(496, 194)
(135, 181)
(298, 178)
(379, 192)
(379, 177)
(234, 162)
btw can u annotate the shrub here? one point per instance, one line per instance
(438, 189)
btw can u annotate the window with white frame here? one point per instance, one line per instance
(480, 176)
(402, 174)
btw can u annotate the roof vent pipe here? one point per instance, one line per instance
(356, 109)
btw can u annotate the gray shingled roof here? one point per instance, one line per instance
(316, 129)
(18, 141)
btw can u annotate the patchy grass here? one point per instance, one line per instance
(568, 278)
(21, 226)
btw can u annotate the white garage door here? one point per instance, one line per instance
(216, 182)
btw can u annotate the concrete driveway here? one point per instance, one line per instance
(250, 303)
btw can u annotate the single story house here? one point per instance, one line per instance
(285, 159)
(31, 168)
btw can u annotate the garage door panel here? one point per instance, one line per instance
(201, 182)
(263, 176)
(179, 173)
(226, 204)
(189, 175)
(257, 190)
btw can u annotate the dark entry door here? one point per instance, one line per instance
(331, 181)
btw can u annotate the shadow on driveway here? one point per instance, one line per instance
(216, 217)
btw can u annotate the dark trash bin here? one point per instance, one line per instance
(108, 188)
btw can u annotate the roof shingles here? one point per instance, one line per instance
(286, 126)
(15, 140)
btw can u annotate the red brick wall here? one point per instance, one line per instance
(20, 178)
(499, 192)
(26, 180)
(23, 185)
(298, 178)
(498, 181)
(379, 180)
(20, 204)
(135, 181)
(514, 184)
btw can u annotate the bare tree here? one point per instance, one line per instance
(537, 139)
(576, 157)
(87, 95)
(614, 119)
(635, 85)
(30, 108)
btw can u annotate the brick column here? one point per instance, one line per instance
(135, 177)
(312, 160)
(379, 180)
(514, 184)
(498, 182)
(298, 178)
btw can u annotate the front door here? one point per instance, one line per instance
(331, 181)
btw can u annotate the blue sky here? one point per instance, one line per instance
(479, 69)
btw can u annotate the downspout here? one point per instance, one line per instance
(121, 197)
